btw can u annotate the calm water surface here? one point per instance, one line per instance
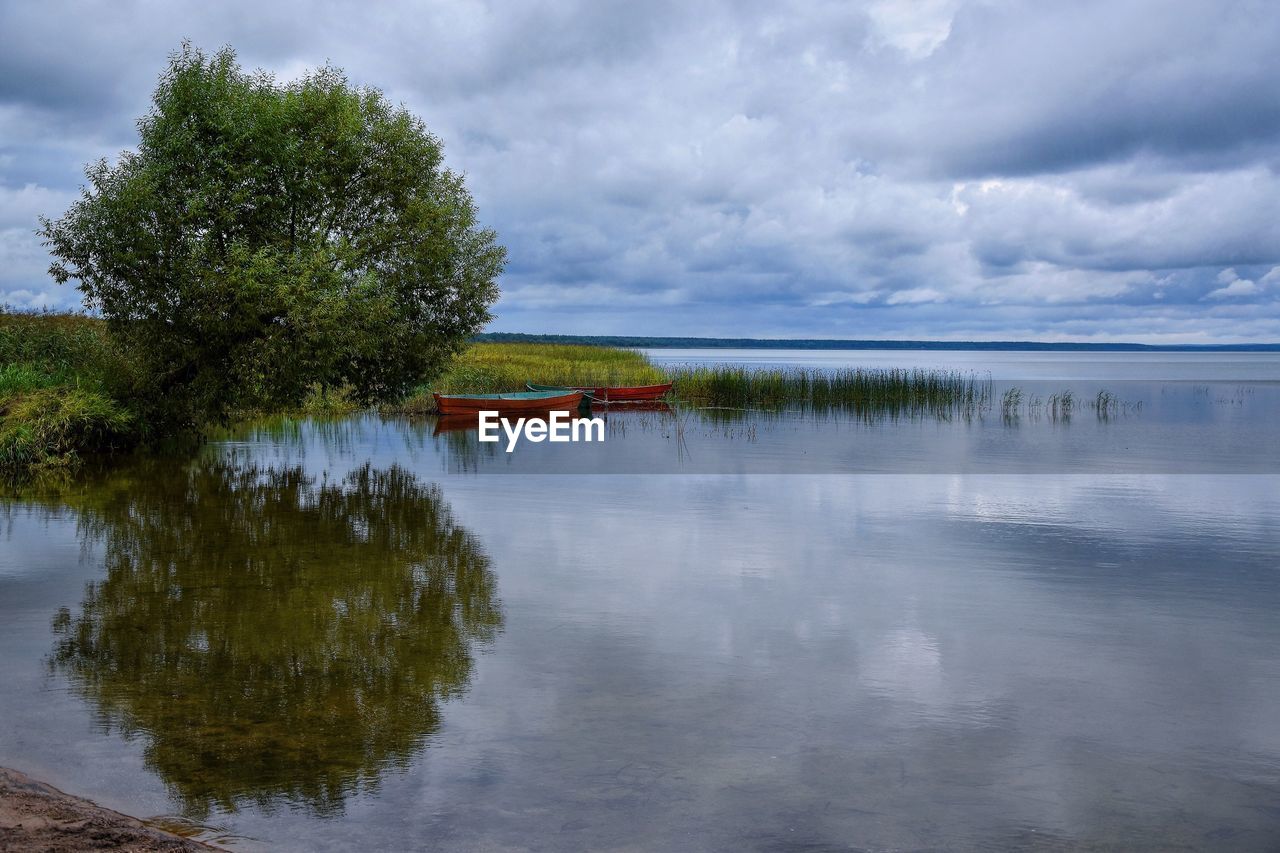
(972, 633)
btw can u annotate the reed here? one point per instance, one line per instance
(893, 392)
(1108, 405)
(1060, 406)
(1011, 404)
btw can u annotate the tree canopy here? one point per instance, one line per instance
(268, 237)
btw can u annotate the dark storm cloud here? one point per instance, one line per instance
(935, 168)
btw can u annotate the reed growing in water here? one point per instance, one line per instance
(1060, 406)
(858, 390)
(1011, 403)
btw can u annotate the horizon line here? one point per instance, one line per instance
(683, 341)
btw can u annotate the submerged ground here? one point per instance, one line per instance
(35, 816)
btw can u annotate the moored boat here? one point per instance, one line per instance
(518, 401)
(606, 394)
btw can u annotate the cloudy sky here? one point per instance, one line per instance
(891, 169)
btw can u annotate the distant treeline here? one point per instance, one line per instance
(809, 343)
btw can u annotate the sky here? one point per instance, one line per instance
(936, 169)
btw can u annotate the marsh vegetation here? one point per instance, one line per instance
(487, 368)
(1059, 406)
(66, 390)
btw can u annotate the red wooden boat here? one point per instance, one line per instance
(623, 394)
(520, 401)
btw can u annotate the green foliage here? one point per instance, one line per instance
(63, 391)
(56, 423)
(1060, 406)
(22, 378)
(328, 401)
(266, 238)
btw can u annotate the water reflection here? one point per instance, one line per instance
(1049, 429)
(271, 635)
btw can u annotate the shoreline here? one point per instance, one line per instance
(37, 816)
(854, 344)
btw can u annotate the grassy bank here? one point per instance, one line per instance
(59, 391)
(497, 368)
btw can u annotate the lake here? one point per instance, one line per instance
(716, 630)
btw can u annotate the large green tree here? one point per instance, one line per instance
(268, 237)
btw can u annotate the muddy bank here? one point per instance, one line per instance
(36, 816)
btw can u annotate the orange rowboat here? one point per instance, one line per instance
(520, 401)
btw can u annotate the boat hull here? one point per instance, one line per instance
(457, 404)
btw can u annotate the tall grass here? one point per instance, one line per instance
(58, 343)
(894, 392)
(497, 368)
(55, 426)
(57, 373)
(1060, 406)
(507, 367)
(23, 378)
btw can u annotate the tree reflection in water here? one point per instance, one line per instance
(271, 636)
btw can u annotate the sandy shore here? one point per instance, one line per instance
(36, 816)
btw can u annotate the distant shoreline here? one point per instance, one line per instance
(638, 341)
